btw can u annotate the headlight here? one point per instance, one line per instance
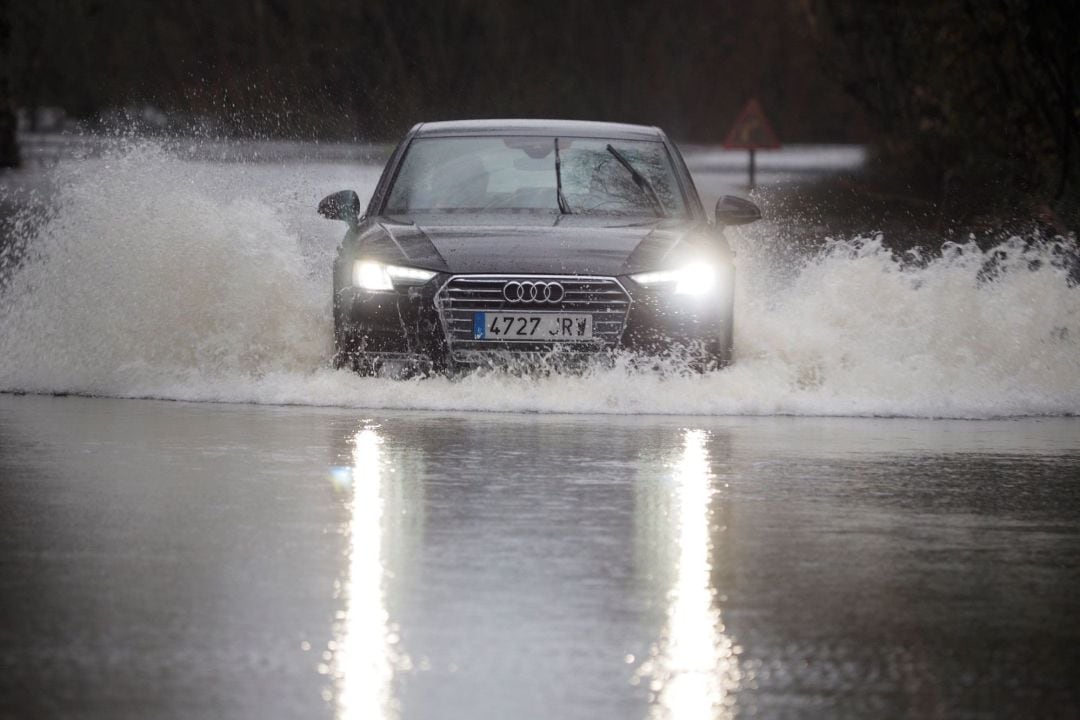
(698, 278)
(371, 275)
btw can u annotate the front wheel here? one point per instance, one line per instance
(356, 362)
(711, 361)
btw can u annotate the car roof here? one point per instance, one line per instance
(566, 128)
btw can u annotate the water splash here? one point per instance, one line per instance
(152, 276)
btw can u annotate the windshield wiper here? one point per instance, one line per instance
(640, 180)
(564, 207)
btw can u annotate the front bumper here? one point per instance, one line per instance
(427, 327)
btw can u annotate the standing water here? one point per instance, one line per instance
(167, 559)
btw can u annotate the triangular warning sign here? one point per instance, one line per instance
(752, 130)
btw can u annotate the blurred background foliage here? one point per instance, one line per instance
(369, 69)
(972, 102)
(978, 101)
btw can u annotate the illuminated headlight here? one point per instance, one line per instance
(695, 279)
(371, 275)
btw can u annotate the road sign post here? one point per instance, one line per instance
(752, 131)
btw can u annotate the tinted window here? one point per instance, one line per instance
(500, 174)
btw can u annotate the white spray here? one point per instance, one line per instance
(159, 277)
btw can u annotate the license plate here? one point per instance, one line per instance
(532, 326)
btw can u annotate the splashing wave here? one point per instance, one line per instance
(151, 276)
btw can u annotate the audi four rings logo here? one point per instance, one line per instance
(533, 292)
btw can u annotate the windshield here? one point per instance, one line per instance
(502, 174)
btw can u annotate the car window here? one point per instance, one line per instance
(501, 174)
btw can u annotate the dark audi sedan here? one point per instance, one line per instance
(534, 242)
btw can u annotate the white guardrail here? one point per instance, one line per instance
(41, 149)
(48, 149)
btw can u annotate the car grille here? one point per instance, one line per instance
(463, 295)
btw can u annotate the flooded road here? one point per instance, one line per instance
(613, 544)
(168, 559)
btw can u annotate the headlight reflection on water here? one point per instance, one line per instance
(364, 654)
(694, 669)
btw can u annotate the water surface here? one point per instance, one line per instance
(166, 559)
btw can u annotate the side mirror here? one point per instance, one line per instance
(731, 210)
(344, 206)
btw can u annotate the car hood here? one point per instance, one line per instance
(527, 245)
